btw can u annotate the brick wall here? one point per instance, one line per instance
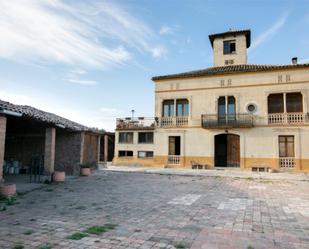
(68, 150)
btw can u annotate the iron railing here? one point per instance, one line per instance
(214, 121)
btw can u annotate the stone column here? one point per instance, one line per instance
(49, 155)
(2, 143)
(105, 148)
(99, 149)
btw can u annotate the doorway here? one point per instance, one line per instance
(227, 150)
(174, 146)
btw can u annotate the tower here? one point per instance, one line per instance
(230, 48)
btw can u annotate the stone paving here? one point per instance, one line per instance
(161, 211)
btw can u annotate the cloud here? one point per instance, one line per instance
(82, 82)
(92, 34)
(269, 33)
(158, 52)
(168, 30)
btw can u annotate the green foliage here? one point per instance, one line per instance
(180, 246)
(28, 232)
(78, 236)
(100, 229)
(18, 246)
(47, 246)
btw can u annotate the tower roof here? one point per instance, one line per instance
(246, 32)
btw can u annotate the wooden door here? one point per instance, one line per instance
(233, 150)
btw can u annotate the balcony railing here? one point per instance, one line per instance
(135, 123)
(181, 121)
(213, 121)
(287, 162)
(288, 118)
(173, 160)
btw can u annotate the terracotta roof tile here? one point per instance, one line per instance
(229, 70)
(45, 117)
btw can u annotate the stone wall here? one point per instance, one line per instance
(68, 148)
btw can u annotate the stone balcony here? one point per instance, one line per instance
(288, 118)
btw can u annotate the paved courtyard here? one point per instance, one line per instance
(139, 210)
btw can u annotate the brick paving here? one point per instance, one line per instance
(161, 211)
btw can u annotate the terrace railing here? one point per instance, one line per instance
(214, 121)
(135, 123)
(167, 122)
(287, 162)
(288, 118)
(173, 160)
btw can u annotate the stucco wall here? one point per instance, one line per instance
(240, 57)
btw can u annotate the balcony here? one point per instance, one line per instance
(170, 122)
(140, 123)
(288, 118)
(213, 121)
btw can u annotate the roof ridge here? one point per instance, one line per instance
(238, 68)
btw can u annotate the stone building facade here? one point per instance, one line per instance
(231, 115)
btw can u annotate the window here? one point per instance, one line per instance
(229, 109)
(168, 108)
(286, 146)
(229, 62)
(294, 102)
(251, 108)
(145, 154)
(275, 103)
(182, 107)
(125, 153)
(126, 137)
(229, 47)
(145, 137)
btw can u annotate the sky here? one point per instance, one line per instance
(92, 61)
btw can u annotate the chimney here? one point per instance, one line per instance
(294, 60)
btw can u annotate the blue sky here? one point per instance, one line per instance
(94, 62)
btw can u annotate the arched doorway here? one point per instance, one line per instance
(227, 150)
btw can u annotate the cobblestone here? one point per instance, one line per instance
(161, 211)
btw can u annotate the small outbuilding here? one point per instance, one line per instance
(34, 139)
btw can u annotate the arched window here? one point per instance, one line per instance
(182, 107)
(168, 108)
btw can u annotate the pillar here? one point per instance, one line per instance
(99, 149)
(105, 148)
(2, 143)
(49, 155)
(82, 143)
